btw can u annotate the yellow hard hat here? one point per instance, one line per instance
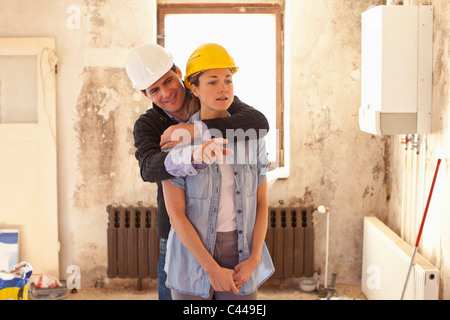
(208, 56)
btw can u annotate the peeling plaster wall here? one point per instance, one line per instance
(435, 244)
(96, 110)
(106, 109)
(332, 161)
(108, 173)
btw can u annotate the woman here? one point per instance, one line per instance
(219, 216)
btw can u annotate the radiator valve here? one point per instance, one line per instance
(322, 209)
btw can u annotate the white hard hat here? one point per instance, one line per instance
(146, 64)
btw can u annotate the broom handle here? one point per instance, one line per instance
(419, 235)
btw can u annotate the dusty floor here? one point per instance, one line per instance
(287, 290)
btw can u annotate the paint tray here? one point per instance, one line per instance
(56, 293)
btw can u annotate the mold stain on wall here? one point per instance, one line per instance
(112, 24)
(441, 65)
(99, 120)
(104, 125)
(107, 171)
(324, 170)
(96, 22)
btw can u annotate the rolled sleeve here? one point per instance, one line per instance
(178, 162)
(179, 182)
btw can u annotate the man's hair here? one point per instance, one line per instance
(174, 69)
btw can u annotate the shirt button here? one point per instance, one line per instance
(240, 231)
(240, 251)
(238, 192)
(235, 173)
(239, 211)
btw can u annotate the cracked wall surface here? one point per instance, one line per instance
(435, 243)
(332, 162)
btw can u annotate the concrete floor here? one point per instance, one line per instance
(287, 290)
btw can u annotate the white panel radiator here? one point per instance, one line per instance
(386, 259)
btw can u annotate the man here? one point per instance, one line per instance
(151, 70)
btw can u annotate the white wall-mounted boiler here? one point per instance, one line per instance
(396, 70)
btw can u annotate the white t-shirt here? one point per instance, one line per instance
(227, 213)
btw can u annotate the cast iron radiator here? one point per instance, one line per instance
(290, 240)
(133, 243)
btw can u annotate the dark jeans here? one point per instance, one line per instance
(163, 292)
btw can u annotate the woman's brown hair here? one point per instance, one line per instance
(194, 106)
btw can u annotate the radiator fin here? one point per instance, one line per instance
(290, 240)
(133, 243)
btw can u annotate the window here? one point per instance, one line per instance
(252, 33)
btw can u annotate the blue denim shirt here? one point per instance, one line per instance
(184, 272)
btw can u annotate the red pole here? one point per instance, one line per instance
(419, 235)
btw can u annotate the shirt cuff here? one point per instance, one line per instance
(178, 162)
(200, 166)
